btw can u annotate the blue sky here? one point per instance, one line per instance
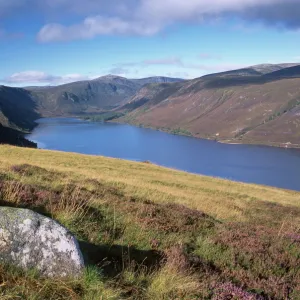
(57, 41)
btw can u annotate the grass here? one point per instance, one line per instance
(103, 117)
(148, 232)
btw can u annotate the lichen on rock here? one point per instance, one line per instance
(31, 241)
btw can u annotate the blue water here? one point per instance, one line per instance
(247, 163)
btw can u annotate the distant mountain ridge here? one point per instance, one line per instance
(91, 96)
(20, 107)
(259, 104)
(250, 105)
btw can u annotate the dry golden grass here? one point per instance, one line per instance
(155, 233)
(222, 199)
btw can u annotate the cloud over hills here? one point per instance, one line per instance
(37, 77)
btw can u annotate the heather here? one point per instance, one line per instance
(154, 233)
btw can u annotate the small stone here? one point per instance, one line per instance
(30, 240)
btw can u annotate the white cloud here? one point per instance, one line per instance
(94, 26)
(38, 77)
(29, 76)
(148, 17)
(118, 71)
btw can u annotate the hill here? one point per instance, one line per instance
(242, 106)
(20, 107)
(92, 96)
(149, 232)
(259, 104)
(17, 115)
(14, 137)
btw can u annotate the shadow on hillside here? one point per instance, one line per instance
(25, 113)
(113, 259)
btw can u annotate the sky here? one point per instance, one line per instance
(50, 42)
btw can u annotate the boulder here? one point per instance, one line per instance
(31, 241)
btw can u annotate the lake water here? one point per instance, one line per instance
(247, 163)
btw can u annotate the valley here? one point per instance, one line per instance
(255, 105)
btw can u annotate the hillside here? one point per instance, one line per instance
(149, 232)
(237, 106)
(17, 115)
(14, 137)
(20, 107)
(92, 96)
(259, 104)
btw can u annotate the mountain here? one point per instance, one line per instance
(92, 96)
(252, 71)
(259, 104)
(293, 71)
(17, 115)
(156, 79)
(150, 95)
(18, 109)
(230, 106)
(269, 68)
(14, 137)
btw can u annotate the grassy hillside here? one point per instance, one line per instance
(17, 115)
(14, 137)
(149, 232)
(91, 96)
(259, 104)
(245, 109)
(18, 109)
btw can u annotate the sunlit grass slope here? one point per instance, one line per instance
(223, 199)
(149, 232)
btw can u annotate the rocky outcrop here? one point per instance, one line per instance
(31, 241)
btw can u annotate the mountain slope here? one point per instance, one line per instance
(18, 109)
(259, 104)
(92, 96)
(262, 109)
(17, 114)
(293, 71)
(269, 68)
(14, 137)
(156, 79)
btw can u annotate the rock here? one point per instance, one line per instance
(29, 240)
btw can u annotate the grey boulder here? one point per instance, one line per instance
(31, 241)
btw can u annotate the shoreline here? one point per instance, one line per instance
(286, 145)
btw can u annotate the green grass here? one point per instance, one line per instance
(104, 117)
(180, 131)
(148, 232)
